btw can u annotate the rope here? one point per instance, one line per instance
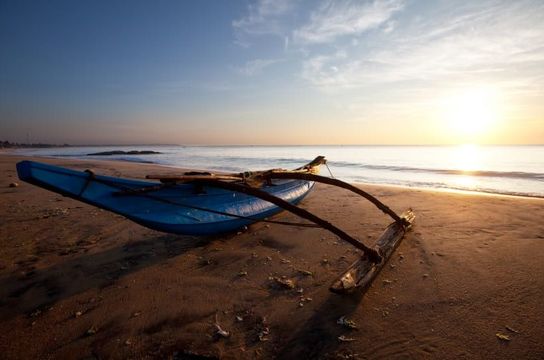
(330, 172)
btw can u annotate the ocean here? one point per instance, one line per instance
(510, 170)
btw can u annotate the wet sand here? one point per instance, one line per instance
(78, 282)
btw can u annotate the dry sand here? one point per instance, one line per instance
(79, 282)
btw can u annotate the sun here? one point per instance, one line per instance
(471, 114)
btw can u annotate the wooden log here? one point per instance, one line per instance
(363, 271)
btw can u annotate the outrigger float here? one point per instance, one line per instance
(202, 203)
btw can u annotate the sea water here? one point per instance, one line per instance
(512, 170)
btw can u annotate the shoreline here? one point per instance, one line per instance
(370, 184)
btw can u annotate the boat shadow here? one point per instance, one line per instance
(319, 336)
(33, 291)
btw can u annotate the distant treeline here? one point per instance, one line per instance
(7, 144)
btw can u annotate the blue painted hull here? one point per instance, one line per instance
(177, 209)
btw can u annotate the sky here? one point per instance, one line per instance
(272, 72)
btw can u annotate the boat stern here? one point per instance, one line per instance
(24, 170)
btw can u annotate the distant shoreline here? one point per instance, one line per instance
(10, 145)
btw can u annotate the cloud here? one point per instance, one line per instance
(256, 66)
(493, 42)
(389, 26)
(334, 19)
(264, 17)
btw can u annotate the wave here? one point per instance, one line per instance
(228, 163)
(486, 173)
(443, 186)
(290, 162)
(132, 159)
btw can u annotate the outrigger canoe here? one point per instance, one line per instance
(187, 208)
(204, 204)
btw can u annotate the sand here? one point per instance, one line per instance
(78, 282)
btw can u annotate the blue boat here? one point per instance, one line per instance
(189, 208)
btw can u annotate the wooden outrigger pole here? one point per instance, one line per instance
(363, 271)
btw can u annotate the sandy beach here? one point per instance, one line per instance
(79, 282)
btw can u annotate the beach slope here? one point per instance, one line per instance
(79, 282)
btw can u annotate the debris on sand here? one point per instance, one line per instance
(219, 331)
(35, 313)
(305, 272)
(512, 329)
(262, 329)
(263, 334)
(343, 338)
(502, 337)
(242, 273)
(283, 282)
(204, 261)
(92, 330)
(346, 323)
(13, 185)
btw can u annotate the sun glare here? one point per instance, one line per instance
(471, 114)
(466, 157)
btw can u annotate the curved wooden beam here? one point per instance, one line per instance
(372, 254)
(334, 182)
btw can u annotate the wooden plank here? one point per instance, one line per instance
(363, 271)
(311, 167)
(188, 178)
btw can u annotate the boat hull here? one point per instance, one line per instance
(182, 209)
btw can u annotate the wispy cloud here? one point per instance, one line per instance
(499, 42)
(334, 19)
(264, 17)
(256, 66)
